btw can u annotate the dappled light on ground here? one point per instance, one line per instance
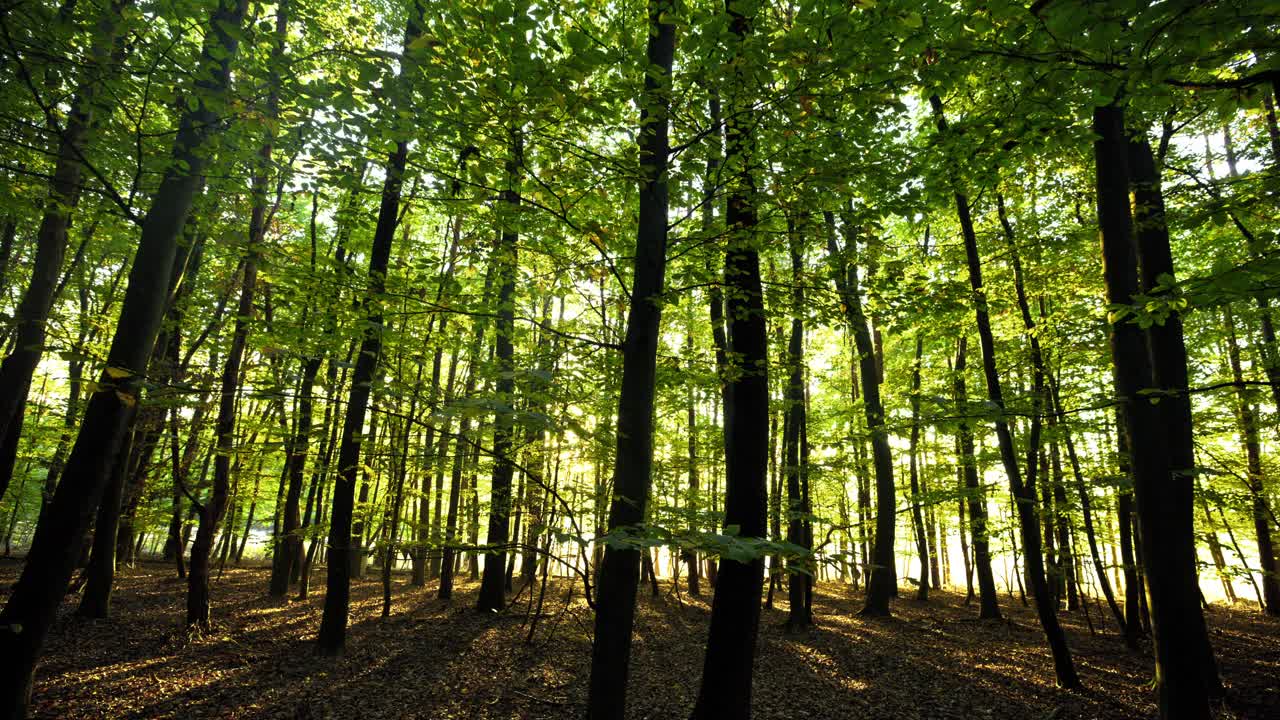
(437, 659)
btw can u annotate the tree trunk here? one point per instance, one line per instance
(55, 547)
(1168, 356)
(288, 551)
(633, 459)
(693, 505)
(735, 609)
(95, 602)
(1171, 572)
(492, 595)
(882, 583)
(1246, 417)
(333, 625)
(1024, 493)
(799, 569)
(989, 601)
(917, 518)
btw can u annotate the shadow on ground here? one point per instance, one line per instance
(435, 659)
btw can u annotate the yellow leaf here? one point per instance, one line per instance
(116, 373)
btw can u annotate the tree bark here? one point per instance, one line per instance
(633, 459)
(796, 461)
(735, 608)
(492, 595)
(917, 518)
(882, 583)
(989, 601)
(1246, 417)
(1171, 572)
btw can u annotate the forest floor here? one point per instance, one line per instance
(436, 659)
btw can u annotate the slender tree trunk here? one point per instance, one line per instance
(1024, 493)
(492, 595)
(882, 583)
(795, 460)
(694, 504)
(289, 547)
(1246, 417)
(212, 510)
(633, 460)
(989, 601)
(1215, 549)
(917, 518)
(462, 450)
(333, 625)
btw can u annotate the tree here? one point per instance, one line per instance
(619, 571)
(52, 556)
(735, 607)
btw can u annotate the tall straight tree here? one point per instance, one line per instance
(493, 583)
(1163, 521)
(796, 459)
(988, 601)
(51, 559)
(633, 462)
(735, 608)
(917, 518)
(882, 583)
(1022, 487)
(225, 425)
(331, 639)
(1167, 353)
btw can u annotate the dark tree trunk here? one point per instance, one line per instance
(882, 583)
(989, 601)
(437, 536)
(100, 574)
(1049, 512)
(492, 596)
(1058, 418)
(795, 460)
(288, 551)
(1179, 648)
(331, 639)
(735, 609)
(426, 533)
(55, 547)
(917, 518)
(1132, 587)
(1168, 355)
(212, 510)
(1024, 493)
(1246, 417)
(463, 450)
(694, 505)
(633, 460)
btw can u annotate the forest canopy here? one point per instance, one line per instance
(552, 306)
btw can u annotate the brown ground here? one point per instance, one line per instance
(441, 660)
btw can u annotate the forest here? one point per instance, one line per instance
(639, 359)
